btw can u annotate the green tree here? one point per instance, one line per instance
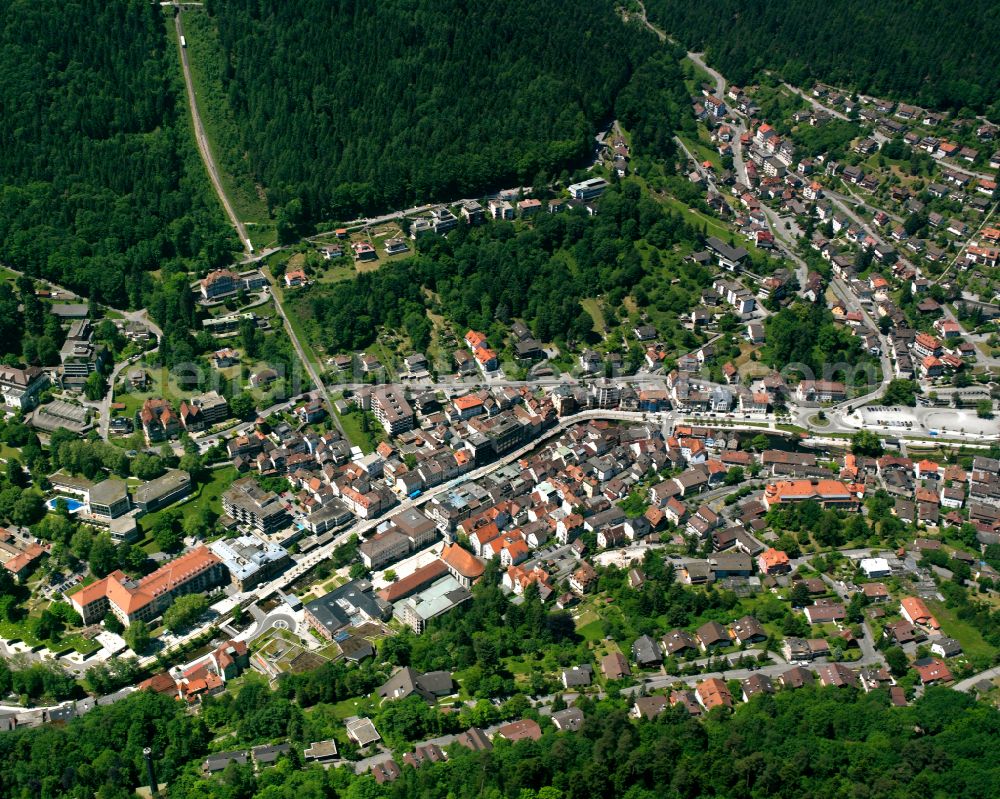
(95, 387)
(243, 405)
(865, 442)
(137, 636)
(28, 508)
(799, 595)
(103, 556)
(901, 392)
(146, 466)
(113, 624)
(895, 659)
(734, 476)
(184, 611)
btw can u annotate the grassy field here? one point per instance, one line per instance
(351, 423)
(295, 320)
(592, 631)
(207, 64)
(337, 270)
(348, 707)
(592, 306)
(19, 630)
(209, 493)
(694, 76)
(972, 642)
(713, 226)
(700, 150)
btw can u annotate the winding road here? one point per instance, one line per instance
(815, 103)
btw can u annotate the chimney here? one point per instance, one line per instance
(147, 755)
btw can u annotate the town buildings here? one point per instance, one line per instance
(145, 599)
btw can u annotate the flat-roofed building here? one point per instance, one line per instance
(321, 752)
(439, 598)
(252, 506)
(109, 499)
(352, 603)
(250, 561)
(416, 526)
(213, 406)
(327, 516)
(392, 410)
(588, 189)
(384, 548)
(165, 490)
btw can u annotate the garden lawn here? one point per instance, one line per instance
(972, 642)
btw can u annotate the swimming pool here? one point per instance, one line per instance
(72, 505)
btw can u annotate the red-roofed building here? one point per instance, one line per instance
(932, 671)
(487, 359)
(713, 693)
(925, 344)
(519, 730)
(364, 251)
(23, 564)
(196, 570)
(931, 366)
(516, 579)
(219, 283)
(231, 659)
(296, 277)
(464, 566)
(948, 328)
(468, 406)
(475, 340)
(159, 421)
(915, 611)
(829, 493)
(773, 561)
(414, 582)
(161, 683)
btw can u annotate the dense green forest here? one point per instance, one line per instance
(100, 182)
(500, 272)
(805, 336)
(352, 107)
(942, 55)
(802, 743)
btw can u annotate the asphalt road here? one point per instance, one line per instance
(814, 102)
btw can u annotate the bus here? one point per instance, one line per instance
(183, 42)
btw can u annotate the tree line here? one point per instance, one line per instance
(347, 109)
(499, 272)
(796, 743)
(940, 57)
(100, 183)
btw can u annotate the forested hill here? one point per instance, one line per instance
(353, 107)
(935, 53)
(99, 178)
(794, 745)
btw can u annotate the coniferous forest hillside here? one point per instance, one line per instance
(355, 107)
(100, 181)
(942, 55)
